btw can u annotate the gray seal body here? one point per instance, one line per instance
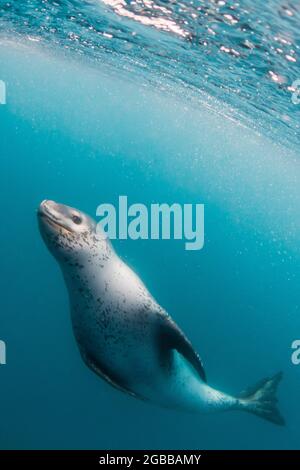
(124, 335)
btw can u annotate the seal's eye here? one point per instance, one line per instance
(77, 220)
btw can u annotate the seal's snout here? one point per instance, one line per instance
(54, 219)
(46, 204)
(48, 211)
(47, 208)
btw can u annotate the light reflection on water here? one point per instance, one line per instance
(238, 52)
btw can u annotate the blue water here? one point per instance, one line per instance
(100, 104)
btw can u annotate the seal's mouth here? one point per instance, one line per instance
(44, 212)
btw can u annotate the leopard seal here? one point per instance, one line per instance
(124, 335)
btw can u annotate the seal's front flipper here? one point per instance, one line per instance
(261, 400)
(171, 337)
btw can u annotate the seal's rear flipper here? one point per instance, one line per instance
(261, 400)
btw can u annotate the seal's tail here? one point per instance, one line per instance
(261, 400)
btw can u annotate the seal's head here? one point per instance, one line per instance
(68, 232)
